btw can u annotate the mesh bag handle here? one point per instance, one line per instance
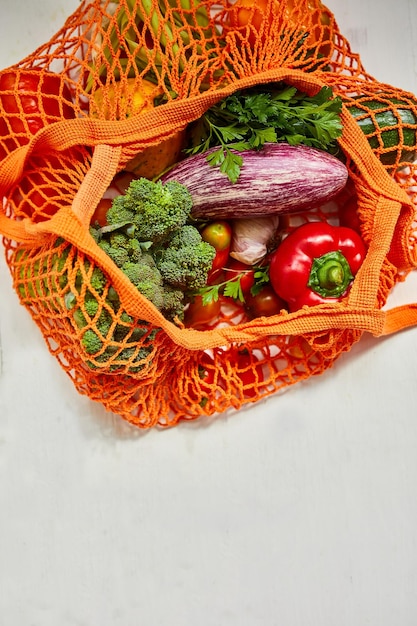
(399, 318)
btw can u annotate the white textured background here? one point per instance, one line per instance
(301, 511)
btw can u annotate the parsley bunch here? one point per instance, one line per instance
(248, 119)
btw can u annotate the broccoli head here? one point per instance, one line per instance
(149, 236)
(154, 208)
(187, 259)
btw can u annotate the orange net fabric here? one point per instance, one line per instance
(115, 91)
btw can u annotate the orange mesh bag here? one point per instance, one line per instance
(115, 91)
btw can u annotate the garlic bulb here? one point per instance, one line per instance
(251, 237)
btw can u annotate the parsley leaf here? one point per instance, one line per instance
(232, 288)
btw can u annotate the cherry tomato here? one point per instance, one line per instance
(235, 269)
(348, 215)
(250, 371)
(299, 348)
(100, 213)
(199, 315)
(217, 267)
(206, 371)
(264, 304)
(219, 235)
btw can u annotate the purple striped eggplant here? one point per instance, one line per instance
(279, 178)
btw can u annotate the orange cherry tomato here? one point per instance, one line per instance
(219, 235)
(199, 315)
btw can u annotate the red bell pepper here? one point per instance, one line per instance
(316, 263)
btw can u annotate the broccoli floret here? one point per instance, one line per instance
(134, 356)
(173, 303)
(91, 308)
(135, 250)
(147, 279)
(88, 314)
(95, 233)
(158, 208)
(120, 256)
(147, 259)
(119, 212)
(119, 239)
(95, 277)
(98, 280)
(187, 260)
(104, 244)
(91, 342)
(126, 327)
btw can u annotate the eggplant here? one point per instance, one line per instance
(279, 178)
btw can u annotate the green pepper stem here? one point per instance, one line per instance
(330, 275)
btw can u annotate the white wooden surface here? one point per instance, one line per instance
(301, 511)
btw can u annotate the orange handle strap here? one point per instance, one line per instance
(400, 318)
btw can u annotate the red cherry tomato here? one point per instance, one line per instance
(250, 371)
(217, 267)
(264, 304)
(246, 273)
(199, 315)
(348, 215)
(100, 214)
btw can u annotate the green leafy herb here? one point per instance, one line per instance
(232, 288)
(248, 119)
(261, 277)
